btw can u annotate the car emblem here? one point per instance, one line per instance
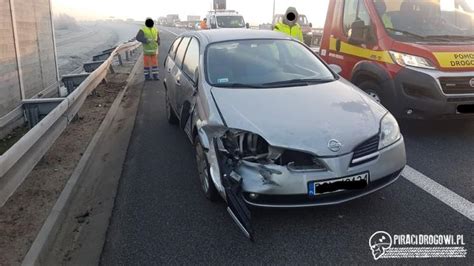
(334, 145)
(471, 83)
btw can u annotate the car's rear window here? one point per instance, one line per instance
(256, 62)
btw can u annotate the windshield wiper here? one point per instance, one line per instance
(451, 37)
(239, 85)
(407, 33)
(297, 82)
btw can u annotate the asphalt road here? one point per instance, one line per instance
(161, 217)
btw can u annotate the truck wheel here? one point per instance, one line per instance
(205, 179)
(170, 115)
(372, 89)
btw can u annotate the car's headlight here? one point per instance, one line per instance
(411, 60)
(389, 131)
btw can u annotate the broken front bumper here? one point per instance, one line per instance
(288, 189)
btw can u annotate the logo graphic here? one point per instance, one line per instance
(379, 243)
(471, 83)
(416, 246)
(334, 145)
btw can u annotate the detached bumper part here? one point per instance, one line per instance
(236, 206)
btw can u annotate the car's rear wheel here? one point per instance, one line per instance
(205, 179)
(372, 89)
(170, 114)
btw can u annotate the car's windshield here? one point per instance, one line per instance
(429, 20)
(230, 22)
(263, 63)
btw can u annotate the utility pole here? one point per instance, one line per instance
(273, 9)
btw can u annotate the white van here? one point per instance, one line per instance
(223, 19)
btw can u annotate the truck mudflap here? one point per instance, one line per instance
(236, 206)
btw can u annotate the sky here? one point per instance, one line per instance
(254, 11)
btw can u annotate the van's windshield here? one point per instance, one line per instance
(428, 20)
(230, 22)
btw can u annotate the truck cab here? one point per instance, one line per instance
(416, 57)
(225, 19)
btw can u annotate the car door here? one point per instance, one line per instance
(176, 74)
(169, 69)
(185, 95)
(342, 52)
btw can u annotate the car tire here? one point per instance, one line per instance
(373, 90)
(170, 114)
(205, 180)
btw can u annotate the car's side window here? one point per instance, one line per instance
(354, 10)
(172, 52)
(181, 51)
(191, 60)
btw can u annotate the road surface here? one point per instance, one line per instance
(161, 216)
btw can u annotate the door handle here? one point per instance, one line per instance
(169, 70)
(178, 82)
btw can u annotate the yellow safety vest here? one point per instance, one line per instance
(151, 34)
(295, 31)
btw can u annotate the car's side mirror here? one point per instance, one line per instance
(358, 33)
(247, 25)
(335, 68)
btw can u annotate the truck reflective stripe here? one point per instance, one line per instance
(349, 49)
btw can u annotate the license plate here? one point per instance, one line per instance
(359, 181)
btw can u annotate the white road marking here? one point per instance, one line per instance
(445, 195)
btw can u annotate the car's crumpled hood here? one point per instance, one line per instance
(303, 118)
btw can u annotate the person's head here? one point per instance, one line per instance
(291, 16)
(381, 7)
(149, 23)
(205, 19)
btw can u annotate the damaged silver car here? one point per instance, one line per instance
(274, 126)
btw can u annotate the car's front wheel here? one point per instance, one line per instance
(170, 114)
(205, 179)
(372, 89)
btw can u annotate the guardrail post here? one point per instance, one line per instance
(90, 67)
(37, 109)
(127, 56)
(101, 57)
(73, 81)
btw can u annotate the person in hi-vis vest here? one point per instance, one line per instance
(149, 36)
(290, 25)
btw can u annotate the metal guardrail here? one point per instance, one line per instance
(17, 163)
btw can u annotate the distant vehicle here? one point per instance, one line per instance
(415, 57)
(162, 21)
(171, 20)
(306, 27)
(223, 87)
(224, 19)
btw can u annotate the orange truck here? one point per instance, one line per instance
(416, 57)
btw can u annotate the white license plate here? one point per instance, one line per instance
(355, 182)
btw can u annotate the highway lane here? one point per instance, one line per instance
(161, 216)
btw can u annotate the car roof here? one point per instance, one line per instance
(222, 35)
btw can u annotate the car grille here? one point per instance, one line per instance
(456, 85)
(368, 147)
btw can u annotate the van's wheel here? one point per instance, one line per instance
(372, 89)
(205, 179)
(170, 114)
